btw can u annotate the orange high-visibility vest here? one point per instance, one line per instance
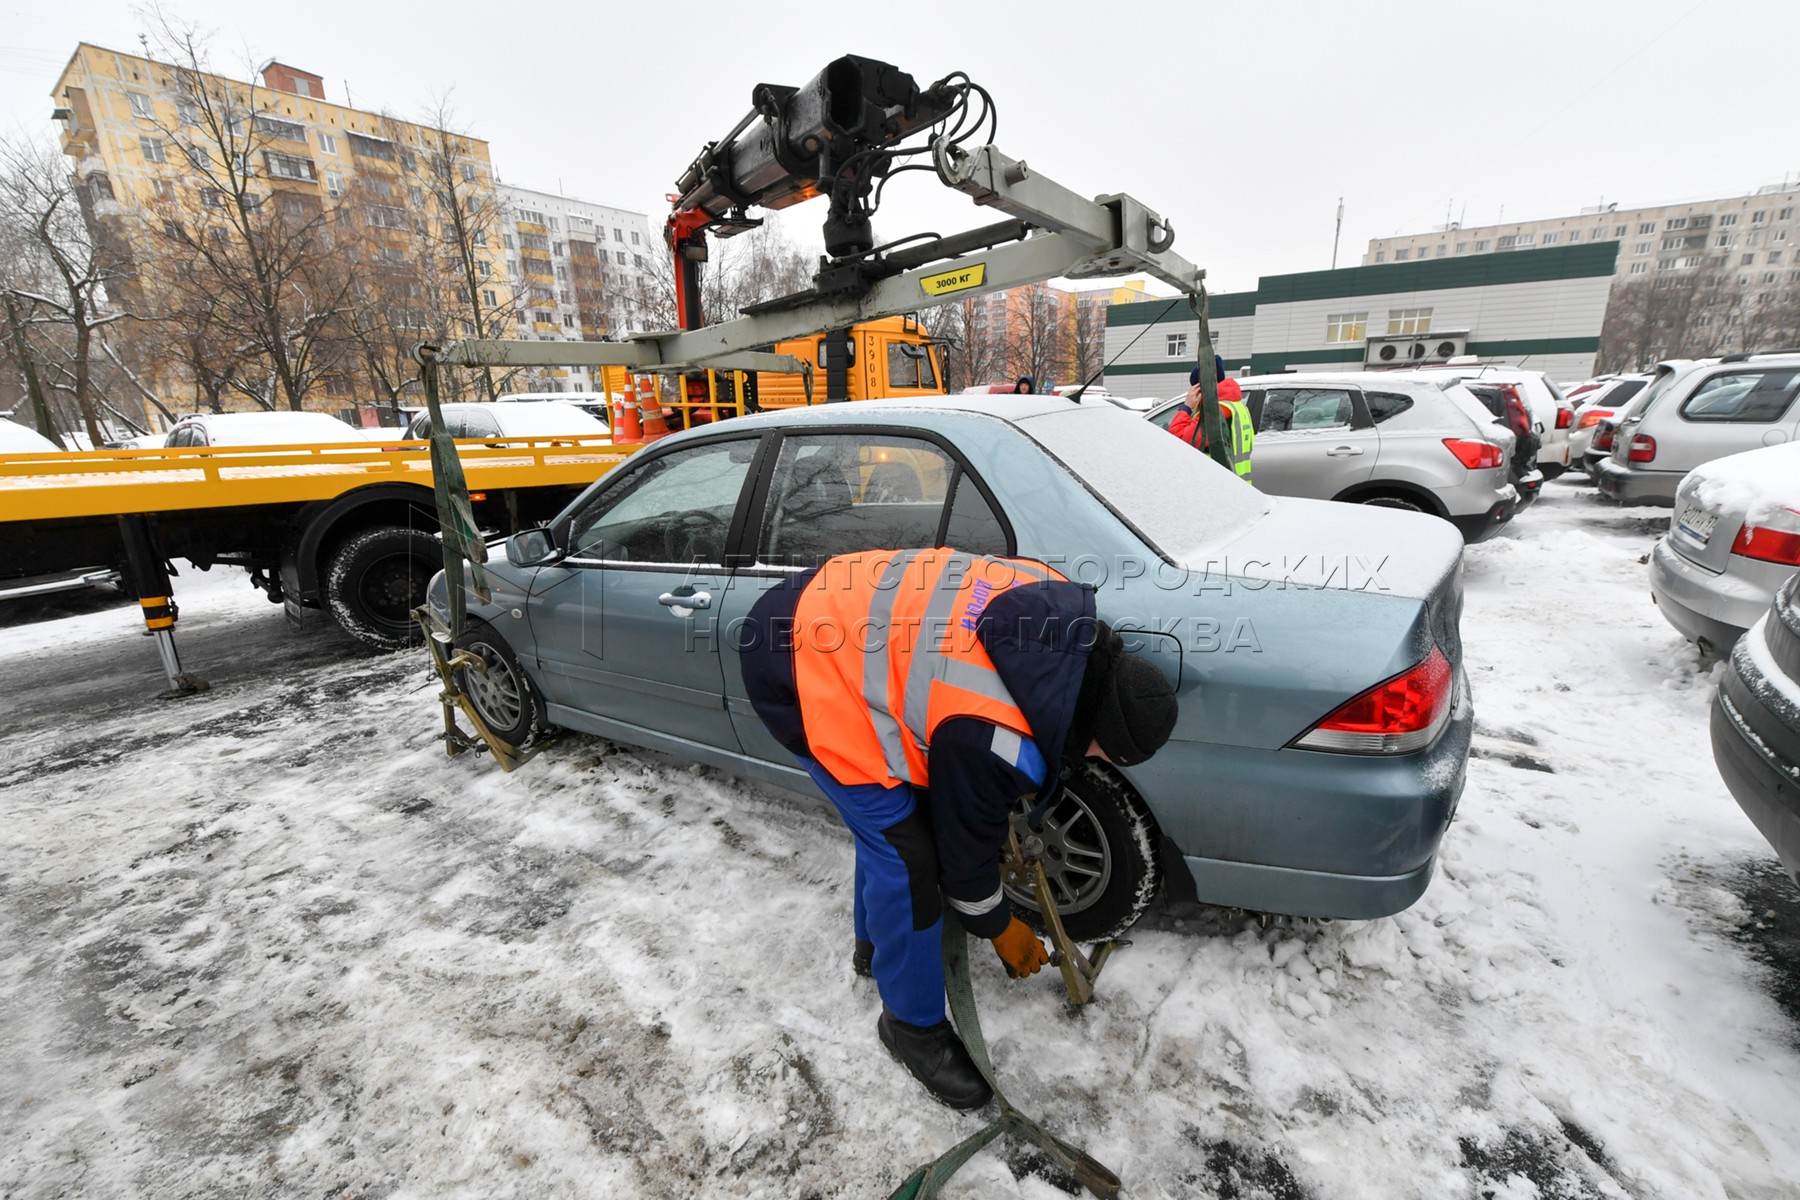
(885, 651)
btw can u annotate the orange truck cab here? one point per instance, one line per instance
(890, 357)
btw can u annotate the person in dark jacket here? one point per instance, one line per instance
(1024, 386)
(966, 681)
(1234, 419)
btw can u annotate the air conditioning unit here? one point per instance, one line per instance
(1414, 349)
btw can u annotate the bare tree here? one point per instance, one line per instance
(1041, 334)
(1089, 349)
(984, 348)
(264, 250)
(56, 270)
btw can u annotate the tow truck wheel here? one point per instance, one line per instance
(1099, 852)
(503, 694)
(375, 580)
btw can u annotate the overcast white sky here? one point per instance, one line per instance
(1242, 122)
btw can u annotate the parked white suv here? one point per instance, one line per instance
(1703, 411)
(1553, 415)
(1380, 438)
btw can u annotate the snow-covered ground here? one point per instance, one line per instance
(272, 941)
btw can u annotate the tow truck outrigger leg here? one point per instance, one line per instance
(147, 575)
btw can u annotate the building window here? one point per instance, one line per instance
(1768, 277)
(488, 298)
(1638, 268)
(1597, 234)
(1401, 255)
(618, 235)
(568, 322)
(1755, 239)
(152, 149)
(382, 216)
(1676, 223)
(1462, 247)
(1619, 231)
(1728, 218)
(140, 105)
(1642, 248)
(334, 184)
(212, 198)
(327, 142)
(1756, 218)
(530, 216)
(288, 131)
(1774, 256)
(1175, 345)
(1786, 214)
(1746, 260)
(1780, 236)
(635, 242)
(1481, 246)
(1673, 243)
(200, 157)
(620, 256)
(468, 173)
(485, 267)
(1549, 239)
(289, 166)
(543, 318)
(1346, 327)
(479, 238)
(1409, 320)
(1442, 249)
(1723, 241)
(1646, 227)
(1381, 256)
(637, 260)
(100, 186)
(557, 249)
(553, 224)
(506, 240)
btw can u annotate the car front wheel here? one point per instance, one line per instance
(508, 703)
(1099, 850)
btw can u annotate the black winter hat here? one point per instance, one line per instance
(1126, 704)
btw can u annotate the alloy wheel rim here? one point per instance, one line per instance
(1076, 857)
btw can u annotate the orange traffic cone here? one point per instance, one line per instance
(655, 423)
(626, 427)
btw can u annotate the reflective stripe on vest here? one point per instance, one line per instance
(1240, 435)
(885, 651)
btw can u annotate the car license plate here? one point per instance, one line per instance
(1696, 523)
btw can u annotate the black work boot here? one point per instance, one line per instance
(937, 1058)
(862, 959)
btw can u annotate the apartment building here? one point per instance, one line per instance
(1042, 331)
(581, 272)
(146, 159)
(1753, 239)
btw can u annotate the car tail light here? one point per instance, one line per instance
(1775, 540)
(1565, 417)
(1603, 437)
(1398, 716)
(1593, 416)
(1474, 454)
(1643, 448)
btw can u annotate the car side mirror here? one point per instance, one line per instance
(532, 548)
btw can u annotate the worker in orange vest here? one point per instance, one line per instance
(926, 692)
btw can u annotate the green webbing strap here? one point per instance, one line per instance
(923, 1184)
(1210, 424)
(457, 530)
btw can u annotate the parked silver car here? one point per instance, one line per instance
(1597, 404)
(1734, 540)
(1423, 445)
(1698, 412)
(1756, 725)
(1325, 716)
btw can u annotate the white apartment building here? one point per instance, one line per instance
(1757, 237)
(580, 272)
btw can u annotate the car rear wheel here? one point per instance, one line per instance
(1551, 470)
(1099, 853)
(375, 580)
(503, 695)
(1399, 502)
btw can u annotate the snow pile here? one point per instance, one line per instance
(1762, 483)
(272, 941)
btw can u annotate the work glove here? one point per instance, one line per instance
(1020, 950)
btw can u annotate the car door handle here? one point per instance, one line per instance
(691, 600)
(1341, 451)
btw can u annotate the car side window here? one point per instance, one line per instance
(675, 508)
(1300, 409)
(1166, 417)
(973, 525)
(837, 493)
(474, 423)
(1747, 396)
(1383, 405)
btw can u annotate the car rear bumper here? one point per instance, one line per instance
(1636, 487)
(1354, 837)
(1478, 527)
(1716, 608)
(1758, 756)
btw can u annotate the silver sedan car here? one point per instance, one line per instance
(1325, 715)
(1734, 540)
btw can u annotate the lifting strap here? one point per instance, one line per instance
(923, 1184)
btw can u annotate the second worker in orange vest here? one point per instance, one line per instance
(927, 692)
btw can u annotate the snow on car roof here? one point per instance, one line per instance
(17, 439)
(532, 417)
(271, 428)
(1759, 483)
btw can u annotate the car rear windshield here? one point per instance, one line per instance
(1178, 499)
